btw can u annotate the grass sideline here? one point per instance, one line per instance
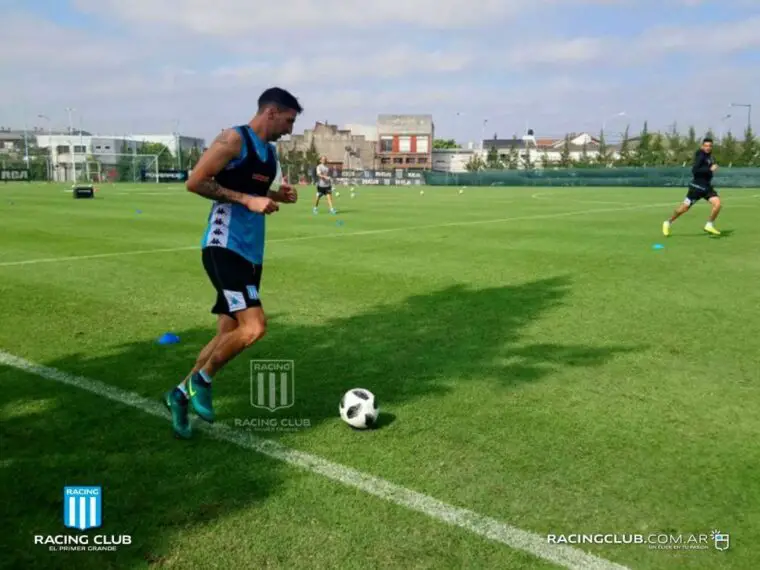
(538, 361)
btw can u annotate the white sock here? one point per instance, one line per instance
(183, 389)
(709, 224)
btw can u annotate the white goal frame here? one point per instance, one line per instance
(152, 163)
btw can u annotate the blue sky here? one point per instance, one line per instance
(557, 65)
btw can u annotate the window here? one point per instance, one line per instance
(404, 144)
(398, 161)
(80, 149)
(410, 160)
(61, 149)
(422, 144)
(386, 144)
(108, 147)
(385, 161)
(422, 160)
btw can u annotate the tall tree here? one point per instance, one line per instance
(643, 154)
(312, 158)
(603, 153)
(475, 164)
(674, 143)
(750, 150)
(657, 152)
(585, 160)
(493, 161)
(527, 161)
(545, 161)
(626, 157)
(513, 156)
(728, 152)
(565, 160)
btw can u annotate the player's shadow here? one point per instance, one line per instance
(155, 488)
(724, 233)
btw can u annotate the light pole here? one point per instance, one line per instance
(723, 125)
(70, 110)
(749, 112)
(178, 144)
(50, 146)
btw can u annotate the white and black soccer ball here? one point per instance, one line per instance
(358, 408)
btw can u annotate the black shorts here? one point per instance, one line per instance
(699, 192)
(236, 280)
(324, 191)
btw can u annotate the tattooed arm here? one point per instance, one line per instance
(224, 149)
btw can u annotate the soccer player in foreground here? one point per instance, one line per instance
(700, 188)
(324, 185)
(236, 172)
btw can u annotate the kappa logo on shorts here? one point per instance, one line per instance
(235, 300)
(253, 292)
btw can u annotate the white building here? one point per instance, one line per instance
(452, 160)
(172, 141)
(77, 157)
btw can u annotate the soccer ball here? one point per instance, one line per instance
(358, 408)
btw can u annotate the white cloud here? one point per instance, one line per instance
(233, 18)
(204, 64)
(396, 63)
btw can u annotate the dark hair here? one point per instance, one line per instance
(707, 140)
(279, 98)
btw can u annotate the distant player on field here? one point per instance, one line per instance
(700, 188)
(236, 172)
(324, 185)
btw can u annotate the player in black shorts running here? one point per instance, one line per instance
(236, 172)
(700, 188)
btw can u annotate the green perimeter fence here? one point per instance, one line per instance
(629, 176)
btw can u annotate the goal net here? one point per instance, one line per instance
(123, 167)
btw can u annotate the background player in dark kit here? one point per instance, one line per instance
(700, 188)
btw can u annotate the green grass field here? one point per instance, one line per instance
(535, 359)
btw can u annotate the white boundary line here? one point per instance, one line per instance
(342, 235)
(486, 527)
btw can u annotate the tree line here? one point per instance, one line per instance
(647, 149)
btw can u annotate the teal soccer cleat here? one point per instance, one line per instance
(177, 403)
(200, 397)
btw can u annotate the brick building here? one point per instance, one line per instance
(405, 141)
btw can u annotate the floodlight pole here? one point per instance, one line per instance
(69, 110)
(749, 112)
(51, 171)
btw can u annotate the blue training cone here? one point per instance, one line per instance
(658, 246)
(168, 338)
